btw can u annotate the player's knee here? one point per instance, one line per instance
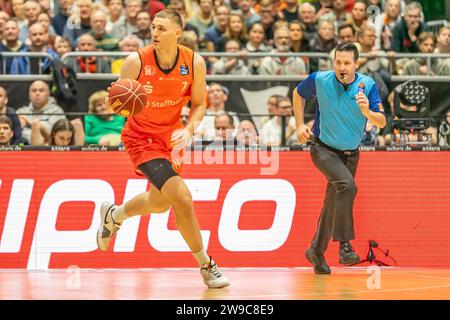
(183, 201)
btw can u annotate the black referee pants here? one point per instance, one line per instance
(336, 218)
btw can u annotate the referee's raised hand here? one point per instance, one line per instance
(304, 133)
(363, 104)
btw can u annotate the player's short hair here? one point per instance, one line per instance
(172, 15)
(349, 47)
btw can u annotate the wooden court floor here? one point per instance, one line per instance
(246, 283)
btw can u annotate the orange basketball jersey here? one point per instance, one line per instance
(167, 91)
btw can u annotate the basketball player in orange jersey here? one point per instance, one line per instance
(171, 75)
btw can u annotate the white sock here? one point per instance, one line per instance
(201, 257)
(119, 215)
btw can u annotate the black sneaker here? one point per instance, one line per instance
(318, 262)
(347, 254)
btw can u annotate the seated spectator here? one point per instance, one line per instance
(271, 108)
(231, 65)
(45, 20)
(359, 17)
(249, 14)
(60, 19)
(62, 46)
(46, 6)
(6, 131)
(325, 41)
(42, 107)
(236, 30)
(79, 21)
(181, 7)
(83, 64)
(62, 134)
(10, 43)
(217, 97)
(282, 65)
(189, 39)
(128, 44)
(268, 18)
(143, 24)
(444, 130)
(224, 128)
(246, 134)
(39, 43)
(407, 31)
(298, 40)
(4, 16)
(306, 15)
(214, 32)
(256, 43)
(290, 12)
(102, 126)
(374, 65)
(115, 14)
(418, 66)
(339, 14)
(103, 40)
(270, 134)
(443, 43)
(128, 26)
(346, 34)
(32, 10)
(18, 12)
(203, 20)
(323, 8)
(11, 114)
(385, 23)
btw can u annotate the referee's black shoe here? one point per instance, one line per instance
(347, 254)
(318, 261)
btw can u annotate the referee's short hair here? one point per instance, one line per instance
(347, 47)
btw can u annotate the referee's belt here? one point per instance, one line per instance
(344, 152)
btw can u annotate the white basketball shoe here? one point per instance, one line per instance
(108, 227)
(212, 276)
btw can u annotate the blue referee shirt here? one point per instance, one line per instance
(338, 121)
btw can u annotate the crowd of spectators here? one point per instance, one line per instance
(57, 27)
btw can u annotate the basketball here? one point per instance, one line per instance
(127, 97)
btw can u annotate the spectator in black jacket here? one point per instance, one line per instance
(407, 31)
(12, 116)
(60, 20)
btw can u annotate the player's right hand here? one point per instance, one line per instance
(304, 133)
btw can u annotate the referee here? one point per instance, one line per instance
(346, 100)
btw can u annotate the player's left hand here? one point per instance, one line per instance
(363, 103)
(180, 138)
